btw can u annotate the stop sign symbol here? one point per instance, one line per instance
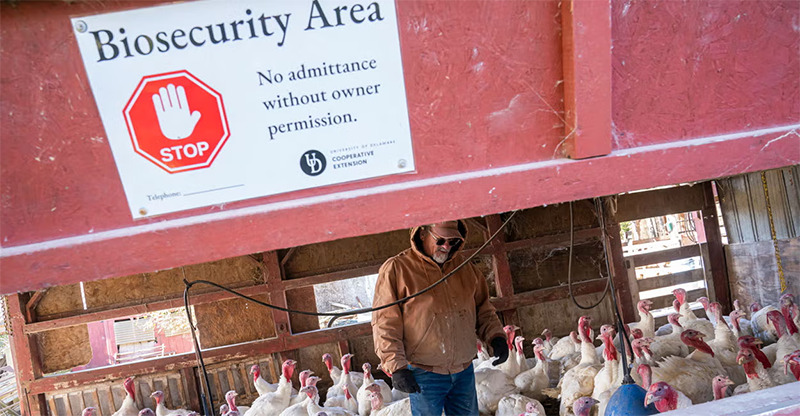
(176, 121)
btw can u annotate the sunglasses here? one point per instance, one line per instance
(452, 242)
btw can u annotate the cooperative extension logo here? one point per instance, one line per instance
(313, 162)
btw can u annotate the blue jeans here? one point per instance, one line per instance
(455, 393)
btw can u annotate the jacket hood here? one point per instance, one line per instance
(416, 240)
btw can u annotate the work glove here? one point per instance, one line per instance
(403, 380)
(500, 350)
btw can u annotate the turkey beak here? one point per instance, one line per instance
(740, 360)
(728, 382)
(758, 341)
(648, 399)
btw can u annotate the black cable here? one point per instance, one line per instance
(188, 285)
(569, 266)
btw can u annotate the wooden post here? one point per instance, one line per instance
(502, 269)
(190, 381)
(618, 271)
(716, 255)
(25, 364)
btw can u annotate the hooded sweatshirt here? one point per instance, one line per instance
(437, 330)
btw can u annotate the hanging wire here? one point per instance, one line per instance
(569, 266)
(186, 304)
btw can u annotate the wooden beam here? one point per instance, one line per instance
(535, 297)
(616, 263)
(555, 240)
(658, 202)
(22, 356)
(670, 280)
(189, 378)
(139, 309)
(586, 39)
(716, 255)
(210, 356)
(664, 255)
(32, 303)
(502, 269)
(666, 300)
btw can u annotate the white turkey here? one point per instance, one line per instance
(314, 407)
(579, 381)
(549, 340)
(364, 404)
(758, 378)
(161, 409)
(760, 324)
(336, 395)
(741, 326)
(790, 310)
(146, 412)
(666, 397)
(785, 346)
(230, 404)
(300, 408)
(689, 320)
(583, 406)
(482, 357)
(532, 382)
(491, 385)
(511, 366)
(720, 386)
(89, 411)
(522, 363)
(691, 375)
(749, 341)
(724, 346)
(609, 378)
(670, 344)
(379, 408)
(335, 372)
(791, 363)
(262, 386)
(566, 346)
(647, 323)
(128, 407)
(271, 404)
(303, 378)
(516, 404)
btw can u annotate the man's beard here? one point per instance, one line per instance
(440, 257)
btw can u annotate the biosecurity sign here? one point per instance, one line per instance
(210, 102)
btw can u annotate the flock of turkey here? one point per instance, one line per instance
(688, 361)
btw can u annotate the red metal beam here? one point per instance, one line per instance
(586, 39)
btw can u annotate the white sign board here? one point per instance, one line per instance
(215, 101)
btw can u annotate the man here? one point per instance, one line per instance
(427, 343)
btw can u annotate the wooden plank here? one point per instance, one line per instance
(670, 279)
(666, 300)
(586, 39)
(555, 240)
(658, 202)
(549, 294)
(502, 269)
(664, 255)
(716, 255)
(618, 271)
(189, 378)
(22, 356)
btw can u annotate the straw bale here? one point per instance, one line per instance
(64, 348)
(233, 321)
(60, 299)
(232, 272)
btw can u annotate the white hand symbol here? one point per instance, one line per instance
(173, 114)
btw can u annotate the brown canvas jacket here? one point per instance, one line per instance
(437, 330)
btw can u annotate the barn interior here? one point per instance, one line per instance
(676, 176)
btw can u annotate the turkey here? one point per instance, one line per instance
(671, 344)
(724, 346)
(549, 341)
(336, 395)
(786, 343)
(514, 404)
(397, 395)
(230, 406)
(741, 326)
(522, 363)
(646, 321)
(760, 325)
(297, 397)
(791, 363)
(646, 373)
(89, 411)
(300, 408)
(511, 366)
(749, 341)
(583, 406)
(666, 398)
(579, 381)
(491, 385)
(641, 351)
(271, 404)
(262, 386)
(146, 412)
(566, 346)
(688, 319)
(720, 386)
(379, 408)
(758, 378)
(161, 409)
(224, 409)
(609, 378)
(336, 373)
(128, 407)
(691, 375)
(532, 382)
(483, 356)
(364, 404)
(314, 407)
(790, 310)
